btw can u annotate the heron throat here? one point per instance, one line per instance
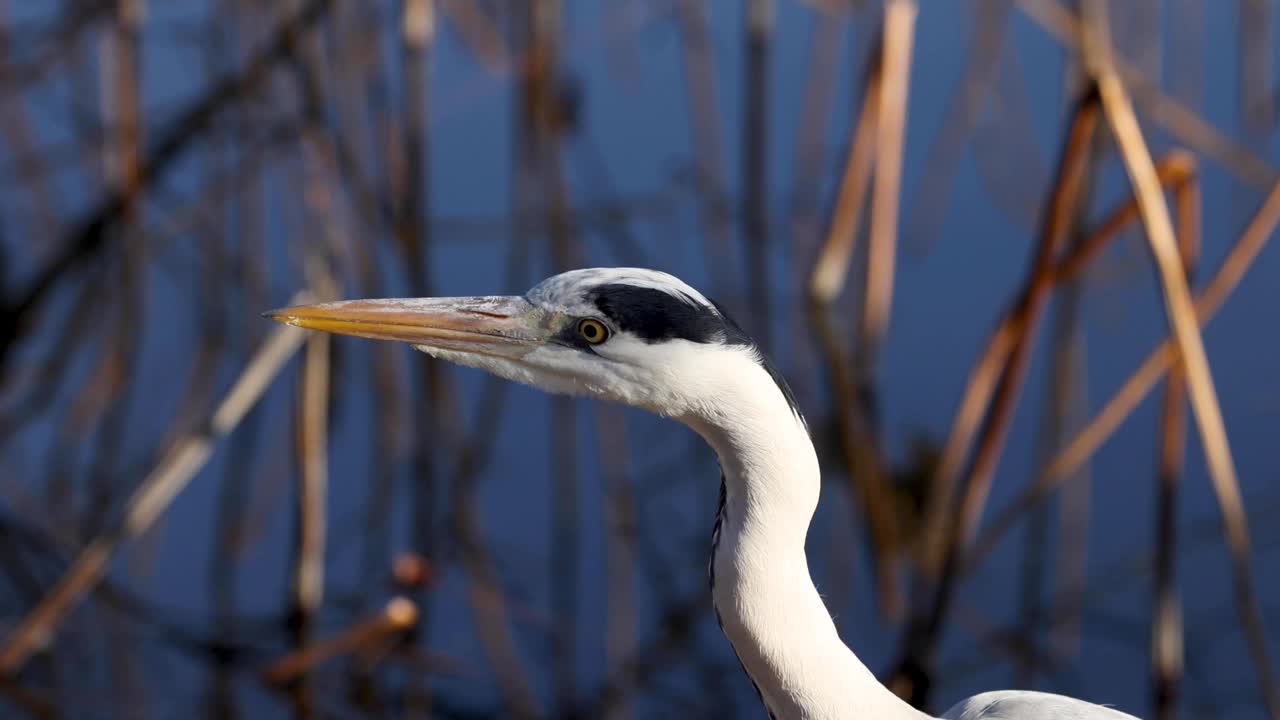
(764, 598)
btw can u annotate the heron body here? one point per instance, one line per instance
(647, 339)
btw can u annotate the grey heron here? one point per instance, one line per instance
(645, 338)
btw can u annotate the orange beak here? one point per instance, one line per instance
(494, 325)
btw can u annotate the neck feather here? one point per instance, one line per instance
(765, 600)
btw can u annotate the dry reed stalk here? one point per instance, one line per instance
(492, 617)
(832, 267)
(127, 95)
(208, 354)
(995, 382)
(1064, 393)
(354, 131)
(418, 659)
(1070, 558)
(152, 497)
(109, 377)
(43, 704)
(912, 678)
(1008, 160)
(113, 384)
(1123, 402)
(620, 619)
(1167, 661)
(488, 605)
(969, 415)
(21, 140)
(199, 214)
(70, 336)
(1181, 122)
(807, 203)
(1184, 71)
(235, 191)
(410, 175)
(965, 104)
(1176, 171)
(478, 32)
(1190, 345)
(895, 76)
(308, 579)
(616, 26)
(94, 233)
(704, 119)
(1254, 59)
(399, 615)
(1001, 642)
(755, 165)
(810, 150)
(563, 568)
(542, 183)
(200, 394)
(388, 439)
(1000, 413)
(1072, 581)
(866, 470)
(408, 170)
(322, 226)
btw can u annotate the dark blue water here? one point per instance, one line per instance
(951, 287)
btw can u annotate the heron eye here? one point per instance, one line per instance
(593, 331)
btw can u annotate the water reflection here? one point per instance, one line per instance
(205, 515)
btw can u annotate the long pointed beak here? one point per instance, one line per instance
(502, 325)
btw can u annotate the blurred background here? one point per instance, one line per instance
(921, 213)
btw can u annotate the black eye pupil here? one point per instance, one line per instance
(592, 331)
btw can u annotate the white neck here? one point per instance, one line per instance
(764, 598)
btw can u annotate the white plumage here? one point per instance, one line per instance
(669, 349)
(1019, 704)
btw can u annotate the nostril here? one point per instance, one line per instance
(499, 316)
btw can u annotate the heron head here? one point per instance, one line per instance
(635, 336)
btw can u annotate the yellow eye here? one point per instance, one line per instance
(593, 331)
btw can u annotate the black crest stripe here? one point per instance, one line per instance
(655, 315)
